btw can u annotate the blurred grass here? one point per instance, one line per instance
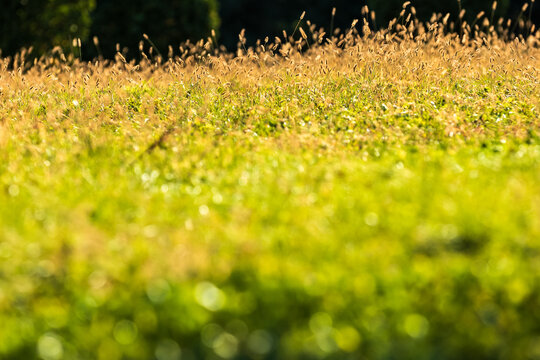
(375, 203)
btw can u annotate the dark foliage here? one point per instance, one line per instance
(43, 24)
(166, 22)
(270, 18)
(389, 9)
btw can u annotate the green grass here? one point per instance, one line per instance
(380, 212)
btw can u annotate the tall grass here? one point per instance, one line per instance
(372, 195)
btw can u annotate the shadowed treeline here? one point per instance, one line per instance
(105, 27)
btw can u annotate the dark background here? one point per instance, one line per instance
(45, 24)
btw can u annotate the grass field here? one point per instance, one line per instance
(373, 199)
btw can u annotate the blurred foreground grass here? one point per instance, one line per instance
(380, 201)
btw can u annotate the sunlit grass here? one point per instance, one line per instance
(378, 199)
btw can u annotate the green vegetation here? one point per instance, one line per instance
(43, 24)
(375, 199)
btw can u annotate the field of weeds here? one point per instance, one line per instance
(366, 197)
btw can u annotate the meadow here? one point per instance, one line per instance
(371, 196)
